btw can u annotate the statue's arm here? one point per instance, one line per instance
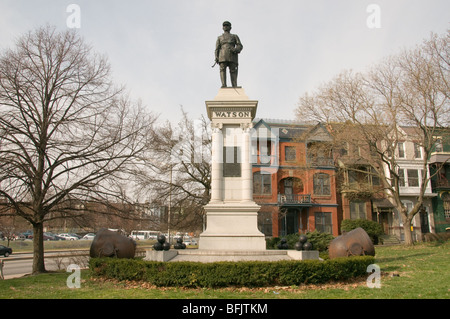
(217, 49)
(238, 48)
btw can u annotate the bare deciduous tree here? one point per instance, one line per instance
(177, 172)
(67, 134)
(409, 89)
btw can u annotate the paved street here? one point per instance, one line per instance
(18, 265)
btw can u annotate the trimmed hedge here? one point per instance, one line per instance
(222, 274)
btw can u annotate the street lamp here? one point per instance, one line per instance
(172, 165)
(170, 203)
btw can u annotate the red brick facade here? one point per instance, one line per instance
(294, 184)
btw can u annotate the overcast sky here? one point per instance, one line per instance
(162, 50)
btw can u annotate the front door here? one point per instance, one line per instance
(289, 222)
(288, 189)
(303, 220)
(384, 221)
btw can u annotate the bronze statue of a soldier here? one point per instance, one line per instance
(228, 46)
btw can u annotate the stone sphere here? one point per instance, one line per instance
(166, 246)
(302, 239)
(179, 240)
(283, 244)
(307, 246)
(158, 246)
(161, 239)
(298, 246)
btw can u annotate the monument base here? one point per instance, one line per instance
(232, 226)
(164, 255)
(207, 256)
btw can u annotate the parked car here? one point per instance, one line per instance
(89, 236)
(75, 235)
(20, 237)
(49, 236)
(5, 251)
(28, 234)
(190, 242)
(67, 236)
(57, 237)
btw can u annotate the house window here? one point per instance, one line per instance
(262, 183)
(401, 150)
(344, 149)
(357, 210)
(288, 186)
(417, 151)
(375, 177)
(358, 175)
(319, 154)
(289, 153)
(438, 145)
(265, 151)
(323, 222)
(446, 203)
(401, 177)
(322, 184)
(413, 177)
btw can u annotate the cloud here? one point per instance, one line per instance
(163, 50)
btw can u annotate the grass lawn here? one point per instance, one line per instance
(418, 272)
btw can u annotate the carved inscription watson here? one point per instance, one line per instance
(232, 114)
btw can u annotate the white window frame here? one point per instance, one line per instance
(401, 149)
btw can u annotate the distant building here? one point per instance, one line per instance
(305, 181)
(410, 159)
(439, 164)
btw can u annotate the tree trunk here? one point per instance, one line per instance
(38, 249)
(407, 231)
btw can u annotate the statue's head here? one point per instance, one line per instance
(226, 25)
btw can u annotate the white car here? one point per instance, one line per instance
(67, 236)
(89, 236)
(190, 242)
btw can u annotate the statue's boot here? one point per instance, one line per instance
(223, 78)
(233, 76)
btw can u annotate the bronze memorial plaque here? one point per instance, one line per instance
(231, 161)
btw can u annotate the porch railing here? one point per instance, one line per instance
(294, 199)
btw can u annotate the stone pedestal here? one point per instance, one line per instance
(216, 255)
(231, 215)
(154, 255)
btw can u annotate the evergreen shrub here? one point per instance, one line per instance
(372, 228)
(320, 241)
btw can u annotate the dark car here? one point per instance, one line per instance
(5, 251)
(48, 236)
(28, 234)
